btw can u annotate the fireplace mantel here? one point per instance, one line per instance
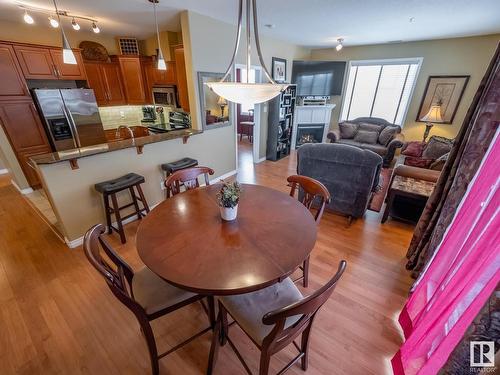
(312, 115)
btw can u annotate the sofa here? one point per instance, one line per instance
(426, 155)
(370, 133)
(350, 174)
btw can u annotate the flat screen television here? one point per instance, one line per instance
(318, 78)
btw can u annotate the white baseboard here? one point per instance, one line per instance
(22, 191)
(224, 176)
(77, 242)
(261, 160)
(4, 171)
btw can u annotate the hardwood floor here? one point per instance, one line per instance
(57, 316)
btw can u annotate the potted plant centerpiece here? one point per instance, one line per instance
(228, 198)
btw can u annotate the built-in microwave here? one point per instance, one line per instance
(165, 96)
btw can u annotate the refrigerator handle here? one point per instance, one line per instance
(71, 122)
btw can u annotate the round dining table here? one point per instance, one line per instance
(184, 240)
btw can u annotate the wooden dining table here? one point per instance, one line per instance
(185, 241)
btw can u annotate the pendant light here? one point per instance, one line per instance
(68, 55)
(247, 93)
(161, 61)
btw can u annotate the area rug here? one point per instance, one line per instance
(379, 196)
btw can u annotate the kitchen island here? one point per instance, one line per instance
(68, 177)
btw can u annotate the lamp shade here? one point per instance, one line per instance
(68, 55)
(246, 93)
(434, 114)
(221, 101)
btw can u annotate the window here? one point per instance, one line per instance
(380, 89)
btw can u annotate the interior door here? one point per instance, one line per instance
(36, 63)
(113, 83)
(12, 81)
(68, 71)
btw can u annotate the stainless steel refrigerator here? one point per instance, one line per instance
(71, 117)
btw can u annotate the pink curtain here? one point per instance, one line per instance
(458, 280)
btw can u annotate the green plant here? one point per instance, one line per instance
(229, 194)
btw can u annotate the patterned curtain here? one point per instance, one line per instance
(470, 146)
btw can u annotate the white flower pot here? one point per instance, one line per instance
(228, 213)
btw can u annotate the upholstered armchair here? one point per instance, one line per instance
(370, 133)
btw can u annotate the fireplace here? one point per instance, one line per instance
(309, 133)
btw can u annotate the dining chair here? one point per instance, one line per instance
(144, 293)
(188, 178)
(315, 196)
(272, 318)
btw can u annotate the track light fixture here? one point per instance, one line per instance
(53, 22)
(27, 18)
(339, 45)
(95, 28)
(75, 24)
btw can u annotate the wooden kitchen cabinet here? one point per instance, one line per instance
(182, 88)
(105, 79)
(26, 134)
(47, 63)
(132, 77)
(12, 83)
(68, 71)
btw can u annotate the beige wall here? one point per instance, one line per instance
(460, 56)
(168, 40)
(66, 186)
(211, 46)
(44, 34)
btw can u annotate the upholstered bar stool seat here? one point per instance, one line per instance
(174, 166)
(248, 309)
(155, 294)
(120, 183)
(110, 188)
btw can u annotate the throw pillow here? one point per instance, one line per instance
(348, 129)
(418, 162)
(364, 136)
(370, 127)
(438, 164)
(437, 147)
(387, 134)
(413, 149)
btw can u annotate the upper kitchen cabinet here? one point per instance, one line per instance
(182, 88)
(68, 71)
(105, 79)
(13, 85)
(156, 77)
(132, 77)
(47, 63)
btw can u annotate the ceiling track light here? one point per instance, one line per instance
(27, 18)
(55, 17)
(75, 24)
(340, 44)
(53, 22)
(95, 28)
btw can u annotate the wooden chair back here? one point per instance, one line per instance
(117, 273)
(188, 178)
(312, 190)
(280, 337)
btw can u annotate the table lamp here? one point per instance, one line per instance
(222, 103)
(434, 115)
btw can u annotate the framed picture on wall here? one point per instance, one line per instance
(279, 69)
(445, 91)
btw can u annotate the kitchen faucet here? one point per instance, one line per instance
(118, 133)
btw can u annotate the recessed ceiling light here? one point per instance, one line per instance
(270, 25)
(412, 19)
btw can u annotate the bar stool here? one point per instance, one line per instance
(175, 166)
(110, 188)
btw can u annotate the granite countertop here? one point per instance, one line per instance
(70, 155)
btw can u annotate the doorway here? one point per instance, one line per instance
(247, 120)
